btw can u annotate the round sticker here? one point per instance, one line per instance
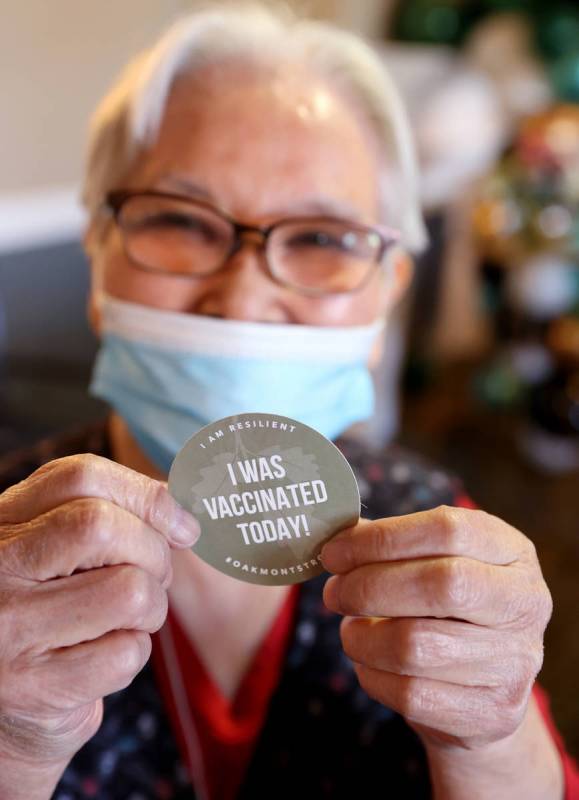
(268, 492)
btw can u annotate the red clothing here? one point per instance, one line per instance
(570, 767)
(227, 730)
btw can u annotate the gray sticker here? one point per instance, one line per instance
(268, 491)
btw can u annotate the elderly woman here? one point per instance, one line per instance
(247, 175)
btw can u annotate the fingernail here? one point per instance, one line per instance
(186, 529)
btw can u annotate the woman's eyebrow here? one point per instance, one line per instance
(322, 205)
(185, 185)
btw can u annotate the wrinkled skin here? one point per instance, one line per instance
(445, 612)
(85, 566)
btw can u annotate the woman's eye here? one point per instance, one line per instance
(317, 239)
(172, 220)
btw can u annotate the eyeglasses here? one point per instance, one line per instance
(175, 235)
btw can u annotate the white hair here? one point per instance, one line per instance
(128, 118)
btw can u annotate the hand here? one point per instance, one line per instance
(445, 612)
(84, 568)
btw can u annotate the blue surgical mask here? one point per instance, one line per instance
(168, 374)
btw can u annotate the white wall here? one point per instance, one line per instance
(57, 57)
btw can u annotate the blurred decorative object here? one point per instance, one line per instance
(499, 120)
(460, 131)
(549, 452)
(501, 46)
(531, 362)
(550, 141)
(456, 114)
(543, 287)
(432, 22)
(529, 203)
(498, 385)
(526, 223)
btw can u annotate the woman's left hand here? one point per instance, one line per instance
(444, 615)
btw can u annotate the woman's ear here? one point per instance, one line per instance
(93, 313)
(89, 240)
(399, 270)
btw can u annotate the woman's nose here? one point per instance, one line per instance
(243, 289)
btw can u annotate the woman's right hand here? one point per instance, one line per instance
(85, 565)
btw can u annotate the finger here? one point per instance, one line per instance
(66, 611)
(442, 531)
(75, 477)
(459, 712)
(81, 535)
(70, 677)
(445, 650)
(458, 588)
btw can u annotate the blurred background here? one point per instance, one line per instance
(483, 358)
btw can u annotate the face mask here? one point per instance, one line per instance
(168, 374)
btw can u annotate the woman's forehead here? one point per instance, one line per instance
(269, 144)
